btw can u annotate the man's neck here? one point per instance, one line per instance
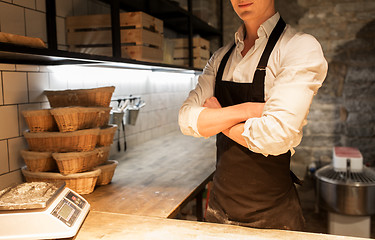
(251, 30)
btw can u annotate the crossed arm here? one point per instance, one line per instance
(228, 120)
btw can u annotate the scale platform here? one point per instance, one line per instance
(39, 210)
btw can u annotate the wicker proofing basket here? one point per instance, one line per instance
(106, 135)
(103, 153)
(70, 119)
(108, 170)
(82, 183)
(94, 97)
(39, 161)
(78, 141)
(39, 120)
(74, 162)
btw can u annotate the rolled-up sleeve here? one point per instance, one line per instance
(300, 74)
(192, 106)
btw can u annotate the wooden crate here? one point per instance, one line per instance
(201, 52)
(197, 42)
(137, 52)
(201, 48)
(137, 36)
(143, 53)
(141, 20)
(87, 22)
(140, 33)
(128, 19)
(197, 52)
(197, 62)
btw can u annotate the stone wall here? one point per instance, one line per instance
(342, 113)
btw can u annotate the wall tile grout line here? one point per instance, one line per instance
(18, 121)
(7, 141)
(10, 171)
(24, 20)
(32, 9)
(2, 87)
(12, 104)
(27, 87)
(10, 138)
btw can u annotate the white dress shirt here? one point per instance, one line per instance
(296, 70)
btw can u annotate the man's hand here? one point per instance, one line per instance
(212, 102)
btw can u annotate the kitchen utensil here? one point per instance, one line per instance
(81, 183)
(41, 210)
(75, 162)
(106, 135)
(39, 161)
(40, 120)
(116, 118)
(94, 97)
(108, 170)
(81, 140)
(74, 118)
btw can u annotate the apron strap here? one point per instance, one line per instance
(274, 37)
(295, 179)
(220, 71)
(260, 72)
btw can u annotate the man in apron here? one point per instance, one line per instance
(254, 94)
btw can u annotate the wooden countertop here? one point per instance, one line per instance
(149, 186)
(155, 178)
(99, 225)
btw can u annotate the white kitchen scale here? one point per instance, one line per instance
(39, 210)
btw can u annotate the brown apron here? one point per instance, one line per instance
(250, 189)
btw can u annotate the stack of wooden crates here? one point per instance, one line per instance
(141, 35)
(201, 52)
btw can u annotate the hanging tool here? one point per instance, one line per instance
(123, 110)
(118, 129)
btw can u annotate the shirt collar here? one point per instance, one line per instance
(265, 28)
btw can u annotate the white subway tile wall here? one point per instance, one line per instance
(10, 178)
(25, 3)
(40, 5)
(15, 87)
(1, 90)
(37, 83)
(4, 166)
(12, 18)
(36, 24)
(23, 87)
(27, 68)
(15, 146)
(64, 8)
(8, 122)
(60, 26)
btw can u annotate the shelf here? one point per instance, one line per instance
(15, 54)
(174, 17)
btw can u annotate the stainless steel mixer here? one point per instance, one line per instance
(351, 193)
(346, 187)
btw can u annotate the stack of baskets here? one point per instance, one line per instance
(71, 141)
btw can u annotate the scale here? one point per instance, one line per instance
(41, 210)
